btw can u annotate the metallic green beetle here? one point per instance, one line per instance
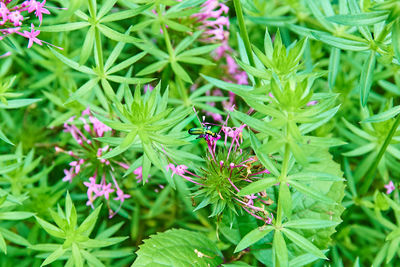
(202, 132)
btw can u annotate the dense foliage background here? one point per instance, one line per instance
(199, 133)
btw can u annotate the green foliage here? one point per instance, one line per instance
(77, 246)
(178, 247)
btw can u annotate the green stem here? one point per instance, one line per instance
(99, 49)
(372, 169)
(245, 36)
(166, 35)
(181, 89)
(282, 179)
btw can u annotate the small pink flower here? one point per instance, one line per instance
(390, 187)
(106, 190)
(15, 17)
(69, 174)
(32, 36)
(121, 196)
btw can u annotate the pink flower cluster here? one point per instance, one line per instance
(214, 21)
(12, 18)
(89, 157)
(246, 170)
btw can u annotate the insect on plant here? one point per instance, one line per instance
(205, 130)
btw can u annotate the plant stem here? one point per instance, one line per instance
(166, 35)
(245, 36)
(282, 179)
(372, 169)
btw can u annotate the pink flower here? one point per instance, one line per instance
(15, 17)
(390, 187)
(106, 190)
(99, 127)
(38, 8)
(69, 174)
(121, 196)
(32, 36)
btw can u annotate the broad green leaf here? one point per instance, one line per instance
(161, 250)
(303, 243)
(253, 237)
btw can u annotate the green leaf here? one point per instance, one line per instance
(384, 116)
(76, 255)
(117, 36)
(54, 256)
(339, 42)
(72, 64)
(180, 72)
(65, 27)
(4, 138)
(3, 245)
(157, 66)
(309, 191)
(285, 198)
(314, 176)
(125, 14)
(18, 103)
(367, 77)
(126, 63)
(199, 50)
(256, 124)
(92, 259)
(280, 249)
(87, 47)
(253, 237)
(334, 65)
(361, 19)
(106, 7)
(303, 243)
(161, 250)
(309, 224)
(50, 228)
(258, 186)
(83, 90)
(396, 38)
(15, 215)
(88, 224)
